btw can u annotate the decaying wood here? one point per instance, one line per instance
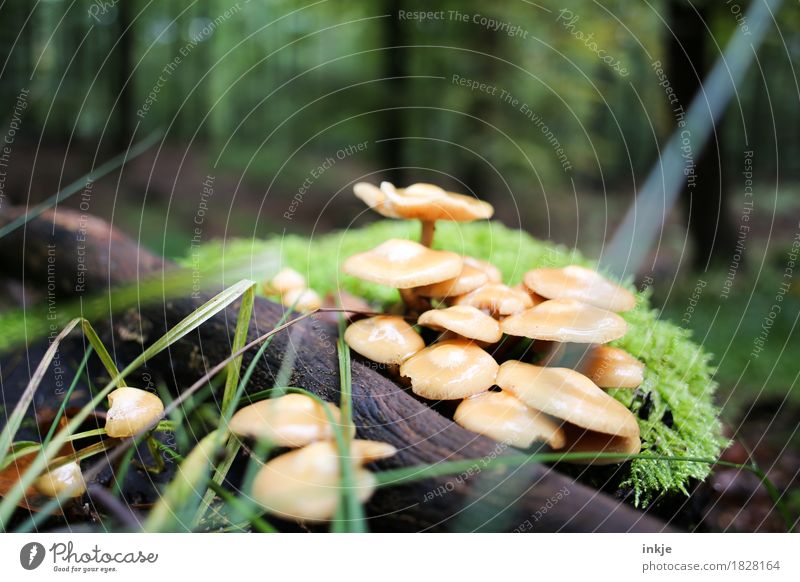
(530, 498)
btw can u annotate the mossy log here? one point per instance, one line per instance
(529, 498)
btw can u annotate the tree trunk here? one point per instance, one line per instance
(705, 203)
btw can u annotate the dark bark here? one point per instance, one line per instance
(382, 410)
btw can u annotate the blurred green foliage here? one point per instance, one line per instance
(273, 85)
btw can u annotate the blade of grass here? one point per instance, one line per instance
(775, 496)
(286, 369)
(125, 463)
(256, 520)
(35, 520)
(67, 396)
(133, 152)
(171, 512)
(218, 478)
(234, 396)
(350, 514)
(228, 394)
(182, 328)
(102, 352)
(124, 466)
(20, 327)
(15, 420)
(239, 340)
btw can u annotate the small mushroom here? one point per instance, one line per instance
(404, 264)
(580, 440)
(496, 298)
(429, 202)
(425, 202)
(503, 417)
(385, 339)
(131, 411)
(568, 395)
(285, 280)
(612, 368)
(301, 299)
(66, 478)
(305, 484)
(450, 369)
(494, 274)
(464, 320)
(566, 320)
(468, 280)
(580, 283)
(292, 420)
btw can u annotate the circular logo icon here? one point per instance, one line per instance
(31, 555)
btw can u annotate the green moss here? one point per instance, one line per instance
(678, 375)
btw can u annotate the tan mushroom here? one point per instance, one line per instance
(305, 484)
(468, 280)
(301, 299)
(612, 368)
(285, 280)
(580, 283)
(429, 202)
(566, 320)
(425, 202)
(464, 320)
(450, 369)
(497, 299)
(568, 395)
(67, 478)
(292, 420)
(386, 339)
(404, 264)
(494, 274)
(503, 417)
(131, 411)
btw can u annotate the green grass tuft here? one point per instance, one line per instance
(678, 376)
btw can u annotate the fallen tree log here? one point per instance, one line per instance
(524, 498)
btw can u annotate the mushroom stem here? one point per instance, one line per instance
(413, 302)
(428, 228)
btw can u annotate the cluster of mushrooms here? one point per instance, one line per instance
(465, 300)
(292, 290)
(474, 318)
(304, 484)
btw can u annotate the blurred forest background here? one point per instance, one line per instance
(256, 95)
